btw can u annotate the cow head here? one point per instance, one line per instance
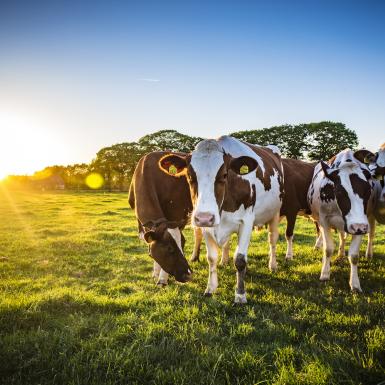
(206, 169)
(166, 247)
(375, 162)
(352, 190)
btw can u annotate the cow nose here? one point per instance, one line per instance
(204, 219)
(358, 228)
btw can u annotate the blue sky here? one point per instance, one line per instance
(76, 76)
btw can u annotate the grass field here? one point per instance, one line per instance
(78, 306)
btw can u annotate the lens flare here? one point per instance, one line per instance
(94, 180)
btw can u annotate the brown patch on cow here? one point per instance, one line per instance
(193, 183)
(271, 162)
(220, 184)
(156, 196)
(362, 188)
(244, 193)
(298, 176)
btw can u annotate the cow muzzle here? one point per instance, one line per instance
(204, 219)
(358, 228)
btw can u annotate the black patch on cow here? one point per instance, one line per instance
(326, 193)
(343, 200)
(361, 188)
(240, 262)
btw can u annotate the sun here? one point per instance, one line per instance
(25, 145)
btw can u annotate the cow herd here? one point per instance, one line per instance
(226, 186)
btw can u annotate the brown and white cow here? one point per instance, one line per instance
(234, 187)
(162, 206)
(298, 176)
(340, 198)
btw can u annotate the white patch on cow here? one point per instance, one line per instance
(274, 148)
(381, 158)
(176, 234)
(206, 160)
(356, 213)
(289, 251)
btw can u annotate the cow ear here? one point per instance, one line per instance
(243, 165)
(365, 156)
(173, 164)
(328, 171)
(150, 236)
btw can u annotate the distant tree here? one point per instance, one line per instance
(314, 141)
(168, 140)
(326, 139)
(290, 139)
(117, 164)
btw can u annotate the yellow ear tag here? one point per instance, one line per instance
(379, 177)
(172, 170)
(244, 169)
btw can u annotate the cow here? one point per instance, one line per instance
(340, 197)
(234, 186)
(162, 206)
(298, 176)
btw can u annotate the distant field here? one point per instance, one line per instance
(78, 306)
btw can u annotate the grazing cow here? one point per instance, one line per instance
(234, 186)
(162, 206)
(340, 198)
(298, 176)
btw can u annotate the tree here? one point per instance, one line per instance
(326, 139)
(289, 139)
(168, 140)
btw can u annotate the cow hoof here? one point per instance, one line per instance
(324, 278)
(161, 283)
(240, 299)
(207, 294)
(194, 258)
(356, 290)
(273, 268)
(289, 257)
(369, 255)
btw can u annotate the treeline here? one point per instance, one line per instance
(116, 164)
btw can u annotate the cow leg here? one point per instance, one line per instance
(354, 251)
(225, 253)
(212, 259)
(341, 247)
(140, 231)
(240, 260)
(159, 275)
(318, 242)
(372, 229)
(163, 278)
(328, 244)
(197, 244)
(156, 270)
(289, 235)
(273, 238)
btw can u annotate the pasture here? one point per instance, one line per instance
(78, 306)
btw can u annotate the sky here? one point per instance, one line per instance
(76, 76)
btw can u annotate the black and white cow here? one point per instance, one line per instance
(340, 198)
(234, 186)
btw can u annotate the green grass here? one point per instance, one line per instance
(78, 306)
